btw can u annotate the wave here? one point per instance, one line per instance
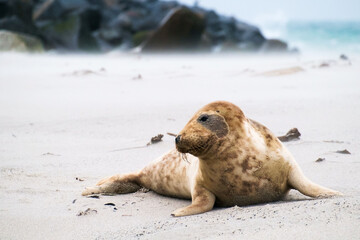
(313, 36)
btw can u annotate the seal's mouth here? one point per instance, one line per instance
(195, 148)
(182, 148)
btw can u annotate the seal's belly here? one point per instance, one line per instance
(266, 192)
(258, 180)
(246, 188)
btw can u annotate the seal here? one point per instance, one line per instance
(229, 160)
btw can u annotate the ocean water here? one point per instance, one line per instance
(317, 37)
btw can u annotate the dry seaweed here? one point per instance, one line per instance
(292, 134)
(156, 139)
(345, 151)
(86, 212)
(320, 160)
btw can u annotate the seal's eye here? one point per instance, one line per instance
(203, 118)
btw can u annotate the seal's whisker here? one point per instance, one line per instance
(184, 157)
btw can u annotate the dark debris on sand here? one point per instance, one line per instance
(156, 139)
(291, 135)
(345, 151)
(87, 212)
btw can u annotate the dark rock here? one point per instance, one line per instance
(62, 33)
(181, 30)
(216, 28)
(15, 24)
(47, 10)
(133, 23)
(274, 45)
(144, 16)
(11, 41)
(108, 38)
(54, 9)
(22, 9)
(140, 37)
(236, 35)
(4, 9)
(91, 25)
(247, 36)
(67, 24)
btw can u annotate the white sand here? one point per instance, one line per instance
(61, 117)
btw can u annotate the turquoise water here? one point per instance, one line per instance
(341, 37)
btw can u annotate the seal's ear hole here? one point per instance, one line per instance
(217, 111)
(203, 118)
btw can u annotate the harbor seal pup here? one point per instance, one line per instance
(231, 160)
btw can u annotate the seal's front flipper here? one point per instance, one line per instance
(123, 183)
(202, 201)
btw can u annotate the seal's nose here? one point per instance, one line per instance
(177, 139)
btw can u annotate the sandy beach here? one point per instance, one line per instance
(66, 121)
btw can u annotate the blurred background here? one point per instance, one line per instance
(187, 25)
(307, 25)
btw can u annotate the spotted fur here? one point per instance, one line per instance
(230, 160)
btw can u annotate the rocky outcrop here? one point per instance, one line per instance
(102, 25)
(230, 31)
(11, 41)
(274, 45)
(182, 30)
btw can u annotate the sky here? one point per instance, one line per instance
(282, 10)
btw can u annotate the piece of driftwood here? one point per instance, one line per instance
(87, 212)
(156, 139)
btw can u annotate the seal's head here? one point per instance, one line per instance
(209, 128)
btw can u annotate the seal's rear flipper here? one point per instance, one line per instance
(123, 183)
(298, 181)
